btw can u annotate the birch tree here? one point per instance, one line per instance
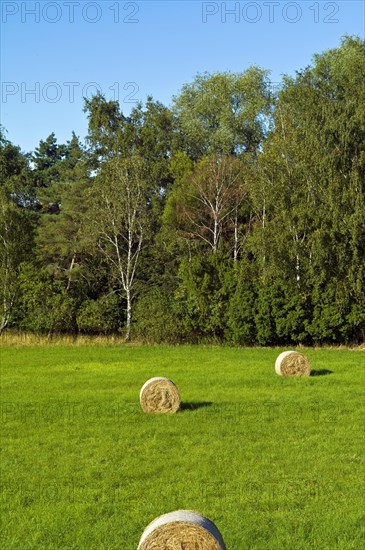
(206, 205)
(118, 216)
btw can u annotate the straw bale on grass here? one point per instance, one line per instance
(181, 529)
(159, 395)
(292, 363)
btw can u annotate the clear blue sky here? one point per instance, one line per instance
(133, 49)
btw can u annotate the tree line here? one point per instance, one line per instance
(235, 215)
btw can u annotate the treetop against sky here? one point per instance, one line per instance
(56, 53)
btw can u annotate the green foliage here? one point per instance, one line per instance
(229, 217)
(202, 296)
(15, 174)
(151, 130)
(240, 316)
(264, 320)
(157, 318)
(105, 119)
(17, 222)
(16, 237)
(290, 309)
(46, 306)
(119, 221)
(47, 160)
(329, 320)
(100, 316)
(148, 132)
(355, 321)
(223, 112)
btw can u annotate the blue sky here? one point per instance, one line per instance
(53, 52)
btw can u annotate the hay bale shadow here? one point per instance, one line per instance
(192, 406)
(321, 372)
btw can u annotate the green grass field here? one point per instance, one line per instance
(276, 463)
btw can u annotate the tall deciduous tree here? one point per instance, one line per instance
(311, 185)
(205, 205)
(224, 112)
(147, 132)
(119, 219)
(105, 121)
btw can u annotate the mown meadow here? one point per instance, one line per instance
(276, 463)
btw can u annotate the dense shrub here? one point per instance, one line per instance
(103, 315)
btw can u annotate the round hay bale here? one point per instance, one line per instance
(181, 529)
(292, 363)
(159, 395)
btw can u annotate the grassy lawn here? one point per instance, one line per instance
(276, 463)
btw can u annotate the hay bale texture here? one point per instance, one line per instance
(159, 395)
(292, 363)
(181, 529)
